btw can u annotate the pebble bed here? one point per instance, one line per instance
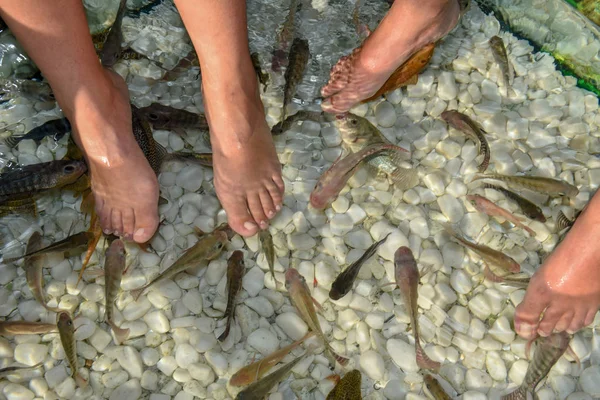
(547, 127)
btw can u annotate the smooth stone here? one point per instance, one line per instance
(403, 355)
(292, 325)
(30, 354)
(372, 364)
(264, 341)
(127, 391)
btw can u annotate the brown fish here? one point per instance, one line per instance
(23, 204)
(263, 77)
(284, 37)
(548, 351)
(358, 133)
(470, 128)
(235, 272)
(298, 59)
(407, 73)
(303, 301)
(113, 269)
(154, 152)
(251, 373)
(67, 338)
(486, 206)
(293, 119)
(343, 283)
(169, 118)
(529, 209)
(549, 186)
(407, 279)
(207, 248)
(189, 61)
(109, 55)
(70, 246)
(33, 179)
(332, 181)
(10, 370)
(34, 274)
(266, 243)
(348, 388)
(501, 58)
(435, 389)
(11, 328)
(56, 128)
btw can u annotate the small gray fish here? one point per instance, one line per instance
(111, 50)
(56, 128)
(235, 273)
(548, 351)
(266, 243)
(258, 390)
(298, 59)
(113, 269)
(529, 209)
(549, 186)
(34, 274)
(501, 58)
(67, 338)
(11, 328)
(291, 120)
(69, 246)
(9, 370)
(466, 125)
(343, 283)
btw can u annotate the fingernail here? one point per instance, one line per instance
(139, 232)
(249, 225)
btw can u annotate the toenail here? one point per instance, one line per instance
(271, 213)
(116, 233)
(139, 232)
(249, 225)
(278, 207)
(107, 231)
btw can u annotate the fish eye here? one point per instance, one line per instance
(354, 121)
(153, 116)
(69, 169)
(51, 95)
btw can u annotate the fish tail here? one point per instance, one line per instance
(81, 382)
(404, 178)
(491, 276)
(121, 334)
(519, 394)
(342, 360)
(13, 141)
(225, 333)
(562, 221)
(137, 292)
(423, 360)
(529, 230)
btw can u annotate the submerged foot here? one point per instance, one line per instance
(247, 172)
(361, 74)
(124, 186)
(565, 291)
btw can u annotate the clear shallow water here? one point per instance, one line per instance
(547, 128)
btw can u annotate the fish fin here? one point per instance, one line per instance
(13, 140)
(121, 334)
(491, 276)
(342, 360)
(412, 80)
(92, 246)
(387, 284)
(529, 230)
(198, 231)
(80, 381)
(161, 153)
(405, 178)
(137, 292)
(574, 355)
(317, 304)
(423, 360)
(478, 177)
(519, 394)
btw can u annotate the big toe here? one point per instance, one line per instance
(238, 216)
(146, 223)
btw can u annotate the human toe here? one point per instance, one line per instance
(116, 222)
(564, 322)
(257, 210)
(146, 224)
(239, 217)
(578, 321)
(336, 104)
(591, 315)
(267, 203)
(128, 218)
(276, 194)
(551, 316)
(527, 318)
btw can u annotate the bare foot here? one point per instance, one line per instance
(566, 288)
(124, 186)
(247, 172)
(408, 26)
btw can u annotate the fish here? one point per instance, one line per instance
(348, 388)
(303, 301)
(71, 246)
(109, 55)
(207, 248)
(407, 73)
(549, 186)
(169, 118)
(407, 279)
(516, 280)
(30, 89)
(470, 128)
(56, 128)
(66, 332)
(130, 54)
(266, 243)
(235, 272)
(343, 283)
(153, 151)
(34, 273)
(189, 61)
(284, 37)
(251, 373)
(529, 209)
(259, 389)
(562, 221)
(204, 159)
(11, 328)
(114, 265)
(263, 77)
(358, 133)
(548, 351)
(332, 181)
(9, 370)
(291, 120)
(435, 389)
(298, 59)
(501, 58)
(36, 178)
(489, 255)
(23, 204)
(486, 206)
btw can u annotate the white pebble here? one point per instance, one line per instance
(372, 364)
